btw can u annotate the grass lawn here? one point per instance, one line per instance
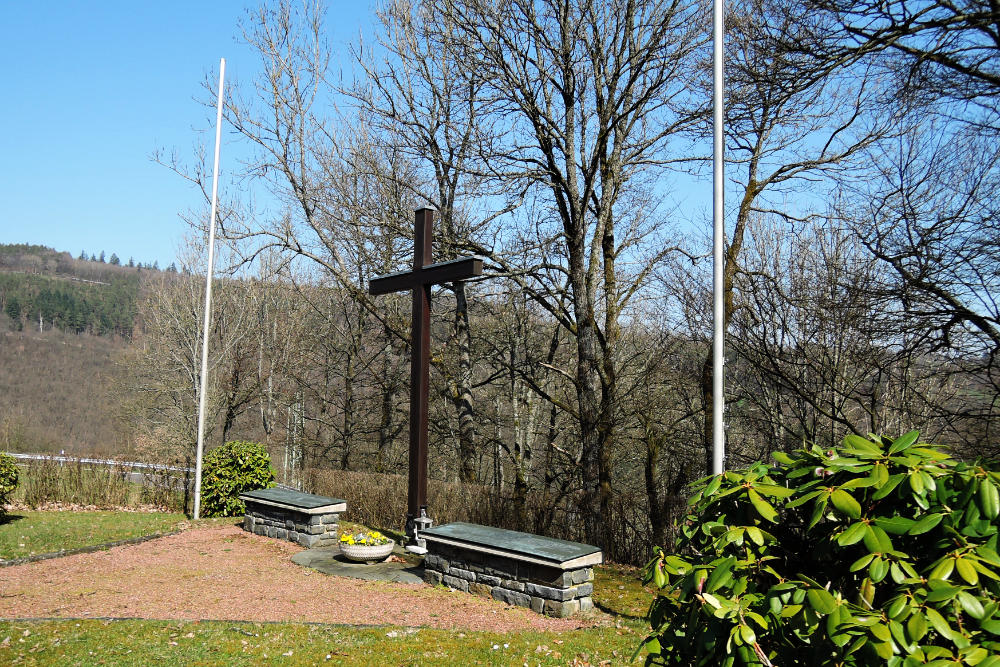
(228, 643)
(28, 533)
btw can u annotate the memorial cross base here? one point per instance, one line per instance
(550, 576)
(303, 518)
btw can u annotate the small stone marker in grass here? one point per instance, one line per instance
(304, 518)
(549, 575)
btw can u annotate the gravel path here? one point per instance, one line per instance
(227, 574)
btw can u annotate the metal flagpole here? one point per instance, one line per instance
(208, 297)
(719, 237)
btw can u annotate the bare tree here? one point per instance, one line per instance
(588, 93)
(793, 120)
(930, 219)
(942, 50)
(417, 102)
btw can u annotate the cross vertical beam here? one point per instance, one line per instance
(420, 343)
(419, 280)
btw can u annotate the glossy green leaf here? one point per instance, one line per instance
(879, 475)
(903, 442)
(928, 481)
(782, 458)
(858, 483)
(890, 484)
(984, 570)
(756, 535)
(821, 600)
(897, 525)
(991, 626)
(967, 571)
(878, 568)
(854, 533)
(928, 522)
(989, 499)
(917, 482)
(862, 562)
(916, 626)
(713, 486)
(943, 569)
(938, 622)
(721, 575)
(819, 509)
(773, 490)
(896, 629)
(876, 540)
(971, 605)
(865, 445)
(974, 656)
(803, 499)
(896, 607)
(763, 507)
(846, 503)
(942, 593)
(988, 555)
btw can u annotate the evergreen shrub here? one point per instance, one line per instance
(227, 471)
(878, 552)
(8, 479)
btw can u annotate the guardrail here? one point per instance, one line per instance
(107, 462)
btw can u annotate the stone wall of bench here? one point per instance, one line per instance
(545, 589)
(309, 530)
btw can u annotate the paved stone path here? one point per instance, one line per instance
(404, 568)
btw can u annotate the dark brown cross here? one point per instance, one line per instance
(420, 279)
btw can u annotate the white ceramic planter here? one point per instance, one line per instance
(366, 552)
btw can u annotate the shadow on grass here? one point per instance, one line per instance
(619, 612)
(10, 518)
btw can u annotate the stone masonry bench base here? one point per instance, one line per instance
(551, 576)
(304, 518)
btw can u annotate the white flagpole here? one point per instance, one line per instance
(208, 297)
(719, 236)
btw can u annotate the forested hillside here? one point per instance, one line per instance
(65, 323)
(44, 289)
(56, 391)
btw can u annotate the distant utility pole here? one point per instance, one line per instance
(208, 297)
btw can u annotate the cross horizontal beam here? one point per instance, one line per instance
(431, 274)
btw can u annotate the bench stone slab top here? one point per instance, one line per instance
(306, 503)
(513, 544)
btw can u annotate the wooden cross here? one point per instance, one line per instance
(420, 279)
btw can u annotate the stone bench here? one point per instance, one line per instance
(551, 576)
(304, 518)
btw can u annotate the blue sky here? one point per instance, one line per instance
(91, 90)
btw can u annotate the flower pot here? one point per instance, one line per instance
(366, 552)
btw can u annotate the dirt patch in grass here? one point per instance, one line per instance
(222, 572)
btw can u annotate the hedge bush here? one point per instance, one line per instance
(228, 471)
(876, 552)
(8, 479)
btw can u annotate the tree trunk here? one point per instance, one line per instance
(385, 413)
(462, 391)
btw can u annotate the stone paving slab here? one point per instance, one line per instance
(329, 560)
